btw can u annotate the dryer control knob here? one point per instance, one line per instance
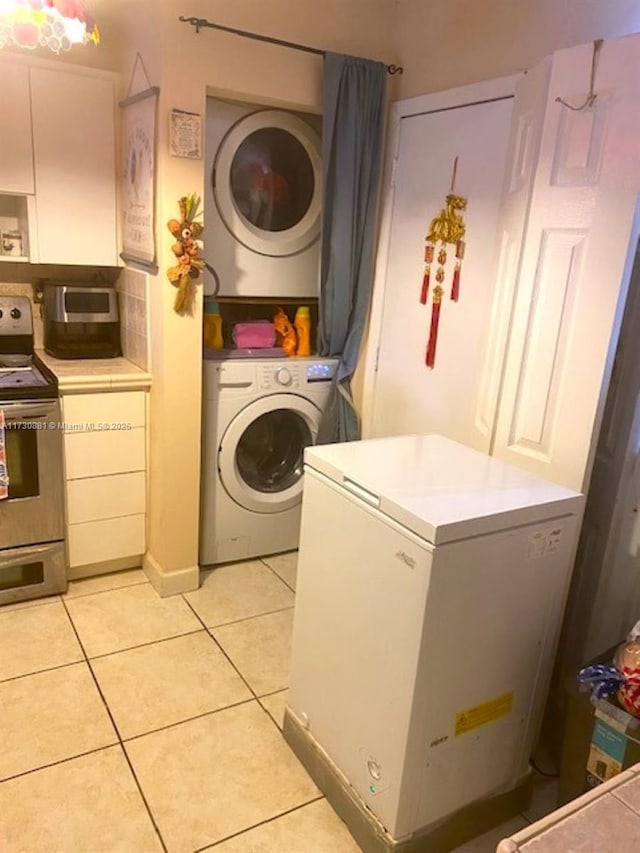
(283, 376)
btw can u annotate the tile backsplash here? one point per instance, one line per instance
(134, 332)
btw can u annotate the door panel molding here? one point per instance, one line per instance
(545, 349)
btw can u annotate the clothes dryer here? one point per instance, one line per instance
(262, 201)
(258, 416)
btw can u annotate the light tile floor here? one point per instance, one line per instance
(133, 723)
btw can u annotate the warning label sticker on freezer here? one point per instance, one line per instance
(485, 713)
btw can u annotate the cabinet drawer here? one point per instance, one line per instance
(105, 497)
(118, 407)
(111, 539)
(94, 454)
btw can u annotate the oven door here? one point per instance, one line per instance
(32, 572)
(33, 512)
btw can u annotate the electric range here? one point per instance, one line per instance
(32, 550)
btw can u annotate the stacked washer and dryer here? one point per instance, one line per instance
(262, 239)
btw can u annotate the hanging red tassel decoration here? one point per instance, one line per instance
(446, 229)
(435, 319)
(455, 285)
(428, 258)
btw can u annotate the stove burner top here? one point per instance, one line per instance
(27, 376)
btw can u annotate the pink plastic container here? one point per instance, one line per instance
(257, 334)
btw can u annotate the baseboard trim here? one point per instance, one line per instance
(170, 583)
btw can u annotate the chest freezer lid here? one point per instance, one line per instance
(440, 489)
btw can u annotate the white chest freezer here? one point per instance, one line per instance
(432, 582)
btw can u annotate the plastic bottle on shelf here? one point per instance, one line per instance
(302, 323)
(212, 325)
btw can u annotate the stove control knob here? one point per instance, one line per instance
(0, 313)
(16, 313)
(283, 376)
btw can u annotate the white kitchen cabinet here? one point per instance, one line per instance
(16, 148)
(105, 470)
(73, 120)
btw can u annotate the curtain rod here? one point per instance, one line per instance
(199, 23)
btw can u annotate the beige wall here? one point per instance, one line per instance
(447, 43)
(187, 66)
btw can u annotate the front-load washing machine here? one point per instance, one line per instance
(258, 416)
(262, 202)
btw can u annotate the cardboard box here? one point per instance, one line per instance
(600, 740)
(615, 742)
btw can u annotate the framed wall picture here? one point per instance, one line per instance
(185, 134)
(138, 178)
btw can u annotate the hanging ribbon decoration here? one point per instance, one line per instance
(448, 228)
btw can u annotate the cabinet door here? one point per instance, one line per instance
(16, 160)
(74, 146)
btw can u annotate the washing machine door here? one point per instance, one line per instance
(267, 183)
(260, 459)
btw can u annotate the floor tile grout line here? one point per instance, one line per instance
(271, 569)
(118, 735)
(189, 720)
(223, 652)
(67, 597)
(40, 671)
(247, 618)
(144, 645)
(631, 808)
(273, 721)
(273, 692)
(260, 823)
(59, 761)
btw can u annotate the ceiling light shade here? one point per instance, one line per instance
(56, 24)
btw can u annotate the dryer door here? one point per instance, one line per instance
(267, 183)
(261, 454)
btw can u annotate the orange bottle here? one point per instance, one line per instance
(302, 323)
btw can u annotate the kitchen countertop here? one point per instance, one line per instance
(96, 374)
(605, 818)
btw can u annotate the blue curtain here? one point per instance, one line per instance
(352, 142)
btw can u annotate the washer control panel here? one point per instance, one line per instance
(295, 373)
(274, 377)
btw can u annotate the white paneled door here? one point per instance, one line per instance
(575, 265)
(473, 125)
